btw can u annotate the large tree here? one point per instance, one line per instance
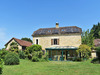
(96, 30)
(87, 38)
(26, 39)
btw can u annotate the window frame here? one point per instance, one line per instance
(37, 41)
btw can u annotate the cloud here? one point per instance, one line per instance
(2, 37)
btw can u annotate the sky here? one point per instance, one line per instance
(20, 18)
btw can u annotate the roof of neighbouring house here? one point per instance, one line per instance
(97, 42)
(60, 30)
(21, 42)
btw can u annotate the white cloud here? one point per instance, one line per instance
(2, 37)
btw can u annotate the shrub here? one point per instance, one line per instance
(33, 48)
(95, 61)
(11, 59)
(3, 53)
(21, 54)
(77, 59)
(98, 52)
(29, 56)
(46, 57)
(1, 66)
(84, 51)
(35, 59)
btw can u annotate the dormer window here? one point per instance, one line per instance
(49, 30)
(62, 30)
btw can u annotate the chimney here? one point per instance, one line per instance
(57, 25)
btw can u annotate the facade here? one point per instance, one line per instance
(60, 43)
(21, 44)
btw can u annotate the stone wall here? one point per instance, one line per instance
(64, 40)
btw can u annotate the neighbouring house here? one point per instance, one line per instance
(96, 44)
(20, 43)
(60, 43)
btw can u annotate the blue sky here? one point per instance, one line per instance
(20, 18)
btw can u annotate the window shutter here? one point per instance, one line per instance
(52, 40)
(57, 41)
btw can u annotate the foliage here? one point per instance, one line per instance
(33, 48)
(11, 59)
(77, 59)
(21, 54)
(3, 53)
(1, 66)
(14, 47)
(27, 39)
(46, 57)
(35, 53)
(87, 38)
(13, 43)
(98, 52)
(96, 30)
(35, 59)
(84, 50)
(96, 61)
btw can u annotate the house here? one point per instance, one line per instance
(21, 44)
(96, 44)
(60, 43)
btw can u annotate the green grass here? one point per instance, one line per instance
(27, 67)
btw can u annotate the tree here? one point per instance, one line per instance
(34, 48)
(27, 39)
(34, 52)
(96, 30)
(87, 38)
(84, 51)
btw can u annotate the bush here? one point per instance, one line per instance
(3, 53)
(1, 66)
(84, 51)
(95, 61)
(35, 59)
(33, 48)
(11, 59)
(29, 56)
(98, 52)
(77, 59)
(46, 57)
(21, 54)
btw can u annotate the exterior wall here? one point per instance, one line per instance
(8, 46)
(93, 54)
(64, 40)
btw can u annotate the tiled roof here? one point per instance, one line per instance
(60, 30)
(21, 42)
(97, 42)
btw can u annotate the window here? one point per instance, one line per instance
(37, 41)
(54, 41)
(62, 30)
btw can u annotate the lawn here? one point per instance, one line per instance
(27, 67)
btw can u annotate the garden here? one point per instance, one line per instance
(26, 67)
(32, 61)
